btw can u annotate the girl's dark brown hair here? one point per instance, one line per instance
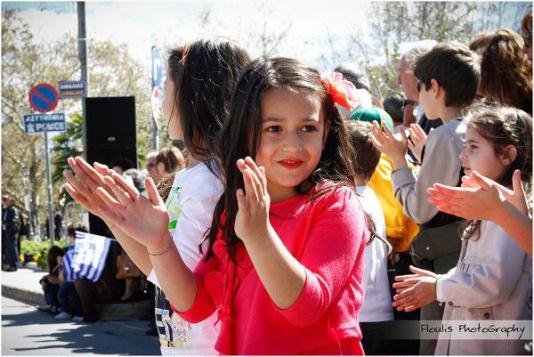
(504, 126)
(241, 136)
(506, 73)
(204, 74)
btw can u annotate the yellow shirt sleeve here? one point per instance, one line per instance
(400, 229)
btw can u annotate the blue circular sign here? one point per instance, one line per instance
(43, 97)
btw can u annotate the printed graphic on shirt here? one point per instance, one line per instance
(173, 206)
(174, 332)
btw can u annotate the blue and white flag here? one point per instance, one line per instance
(88, 258)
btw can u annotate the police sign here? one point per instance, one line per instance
(38, 123)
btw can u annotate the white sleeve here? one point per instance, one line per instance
(488, 272)
(197, 203)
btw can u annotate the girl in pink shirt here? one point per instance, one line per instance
(285, 259)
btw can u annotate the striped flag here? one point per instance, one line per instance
(88, 258)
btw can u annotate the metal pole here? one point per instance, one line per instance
(155, 136)
(49, 189)
(82, 54)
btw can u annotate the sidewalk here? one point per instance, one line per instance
(23, 285)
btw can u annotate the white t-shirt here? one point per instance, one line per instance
(190, 204)
(377, 302)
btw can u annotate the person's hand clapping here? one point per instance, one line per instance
(392, 145)
(144, 219)
(252, 219)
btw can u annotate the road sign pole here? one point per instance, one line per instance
(49, 189)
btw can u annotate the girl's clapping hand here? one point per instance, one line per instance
(83, 184)
(252, 218)
(144, 219)
(471, 201)
(414, 290)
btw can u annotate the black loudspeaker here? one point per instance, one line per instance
(110, 136)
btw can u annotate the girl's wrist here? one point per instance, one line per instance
(160, 247)
(257, 239)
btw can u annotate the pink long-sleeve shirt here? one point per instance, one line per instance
(328, 237)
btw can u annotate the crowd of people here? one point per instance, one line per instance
(307, 216)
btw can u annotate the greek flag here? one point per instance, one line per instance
(88, 258)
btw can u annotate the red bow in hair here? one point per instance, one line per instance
(342, 91)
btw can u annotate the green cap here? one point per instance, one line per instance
(373, 114)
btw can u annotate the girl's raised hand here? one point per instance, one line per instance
(394, 146)
(516, 196)
(145, 220)
(252, 219)
(417, 140)
(82, 186)
(471, 201)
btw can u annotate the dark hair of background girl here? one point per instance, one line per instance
(503, 126)
(506, 73)
(241, 135)
(204, 74)
(51, 258)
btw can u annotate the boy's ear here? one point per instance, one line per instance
(508, 155)
(435, 88)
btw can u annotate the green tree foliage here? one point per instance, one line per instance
(112, 72)
(66, 144)
(395, 22)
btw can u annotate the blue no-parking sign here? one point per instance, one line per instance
(43, 97)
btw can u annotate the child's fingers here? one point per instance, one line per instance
(420, 271)
(240, 163)
(483, 182)
(153, 193)
(418, 131)
(404, 284)
(263, 178)
(411, 146)
(89, 170)
(377, 144)
(379, 135)
(404, 139)
(242, 204)
(109, 201)
(411, 308)
(81, 175)
(517, 183)
(251, 187)
(257, 175)
(76, 195)
(119, 193)
(81, 188)
(101, 168)
(404, 277)
(127, 186)
(387, 132)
